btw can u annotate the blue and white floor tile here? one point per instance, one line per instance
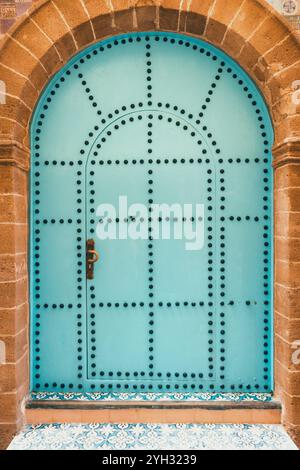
(179, 396)
(152, 437)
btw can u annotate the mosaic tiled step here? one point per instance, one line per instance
(236, 397)
(153, 436)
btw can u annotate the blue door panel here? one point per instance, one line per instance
(53, 190)
(118, 266)
(247, 367)
(118, 329)
(176, 174)
(182, 356)
(70, 115)
(121, 141)
(126, 179)
(126, 67)
(173, 265)
(158, 119)
(235, 116)
(175, 137)
(58, 358)
(248, 178)
(244, 273)
(183, 83)
(57, 281)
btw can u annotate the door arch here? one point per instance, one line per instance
(212, 129)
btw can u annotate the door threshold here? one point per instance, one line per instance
(127, 405)
(204, 412)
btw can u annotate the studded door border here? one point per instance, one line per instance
(62, 79)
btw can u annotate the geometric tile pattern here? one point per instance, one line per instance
(236, 397)
(153, 436)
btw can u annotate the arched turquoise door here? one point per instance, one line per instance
(160, 119)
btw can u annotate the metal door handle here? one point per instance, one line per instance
(95, 254)
(92, 256)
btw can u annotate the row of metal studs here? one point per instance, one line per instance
(92, 332)
(140, 220)
(124, 304)
(222, 202)
(137, 374)
(141, 161)
(163, 161)
(132, 219)
(37, 286)
(138, 304)
(80, 254)
(130, 119)
(91, 366)
(210, 276)
(150, 196)
(266, 336)
(266, 255)
(150, 386)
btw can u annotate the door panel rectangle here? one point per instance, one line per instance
(117, 337)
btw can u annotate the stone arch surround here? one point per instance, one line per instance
(39, 44)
